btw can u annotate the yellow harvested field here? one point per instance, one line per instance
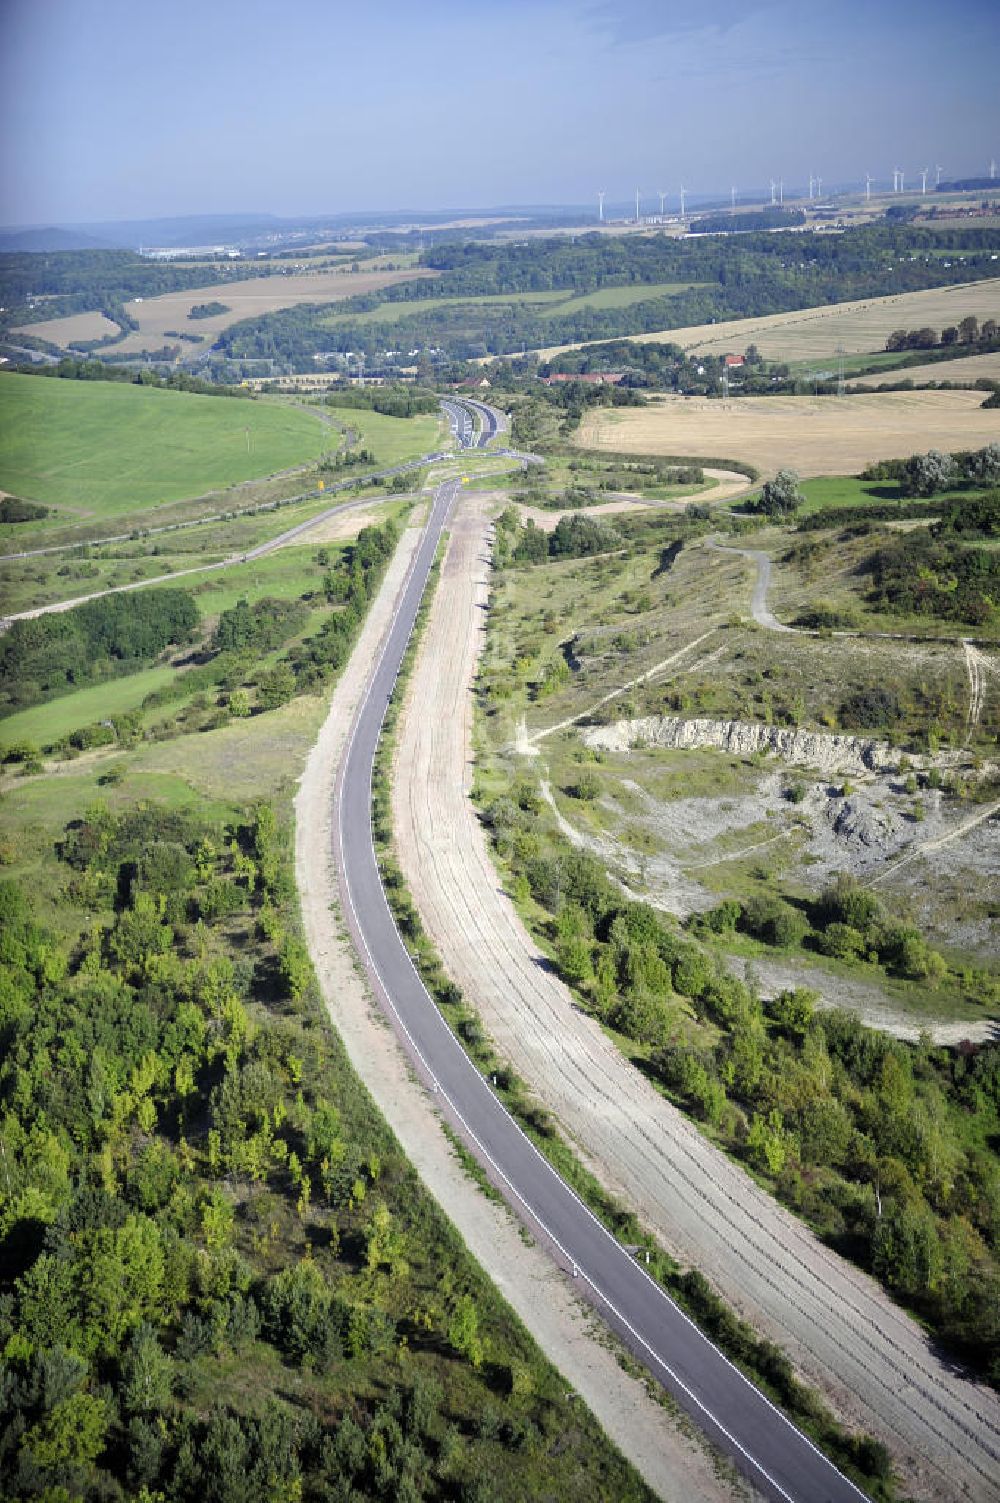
(816, 333)
(66, 331)
(969, 368)
(157, 315)
(813, 435)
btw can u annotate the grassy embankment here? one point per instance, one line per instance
(112, 458)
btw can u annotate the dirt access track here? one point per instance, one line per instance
(842, 1332)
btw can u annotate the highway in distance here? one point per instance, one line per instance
(781, 1462)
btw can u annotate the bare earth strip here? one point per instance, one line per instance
(728, 484)
(816, 333)
(843, 1333)
(813, 435)
(673, 1464)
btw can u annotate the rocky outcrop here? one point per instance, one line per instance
(828, 754)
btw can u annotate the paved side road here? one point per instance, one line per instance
(779, 1460)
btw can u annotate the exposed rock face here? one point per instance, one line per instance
(864, 829)
(829, 754)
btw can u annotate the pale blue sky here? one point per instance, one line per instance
(112, 109)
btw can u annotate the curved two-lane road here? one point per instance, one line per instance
(779, 1460)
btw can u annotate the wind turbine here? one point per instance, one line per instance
(937, 180)
(900, 180)
(993, 168)
(781, 190)
(637, 206)
(600, 206)
(868, 187)
(923, 179)
(812, 185)
(663, 199)
(773, 187)
(732, 197)
(819, 187)
(683, 191)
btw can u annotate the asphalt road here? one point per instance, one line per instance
(763, 1444)
(462, 413)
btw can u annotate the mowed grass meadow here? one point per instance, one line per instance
(101, 449)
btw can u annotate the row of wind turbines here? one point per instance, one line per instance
(778, 190)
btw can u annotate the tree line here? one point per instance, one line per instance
(63, 650)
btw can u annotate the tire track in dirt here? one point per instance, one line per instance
(974, 664)
(843, 1333)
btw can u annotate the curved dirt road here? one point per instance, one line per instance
(839, 1328)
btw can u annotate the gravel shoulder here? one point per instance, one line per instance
(674, 1463)
(843, 1333)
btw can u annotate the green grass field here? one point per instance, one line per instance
(617, 297)
(827, 492)
(393, 313)
(102, 449)
(43, 724)
(391, 439)
(547, 304)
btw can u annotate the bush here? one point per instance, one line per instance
(926, 474)
(779, 497)
(13, 509)
(773, 921)
(870, 709)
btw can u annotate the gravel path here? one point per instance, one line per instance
(758, 600)
(675, 1464)
(843, 1333)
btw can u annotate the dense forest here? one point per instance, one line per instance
(220, 1278)
(717, 278)
(766, 218)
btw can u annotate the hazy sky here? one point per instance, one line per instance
(112, 109)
